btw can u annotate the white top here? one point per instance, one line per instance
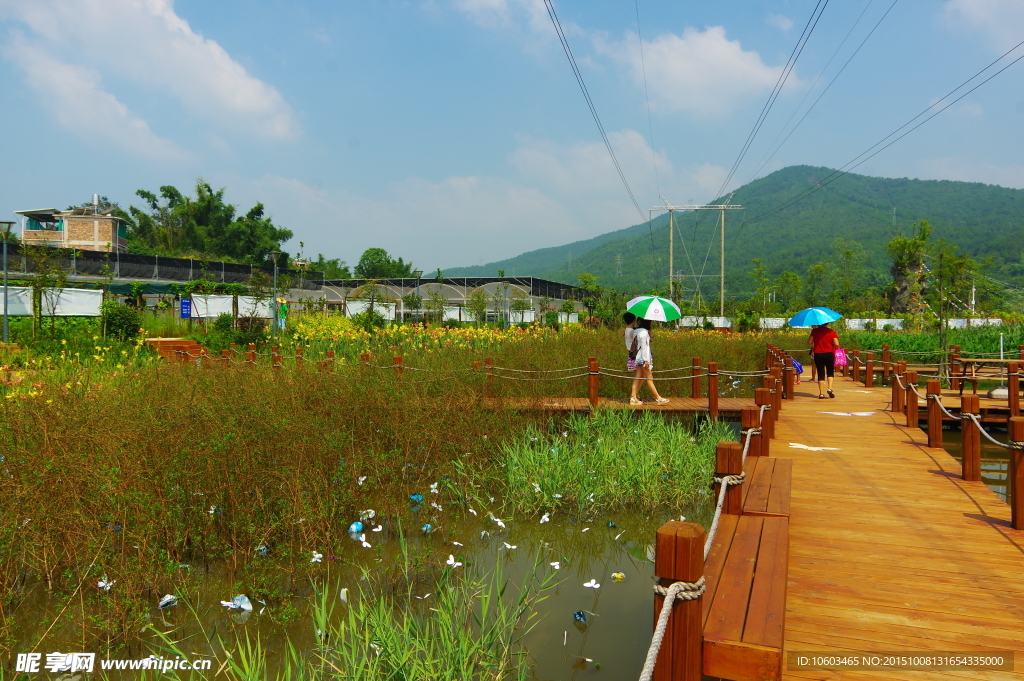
(629, 337)
(643, 352)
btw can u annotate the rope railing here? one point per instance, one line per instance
(938, 400)
(977, 422)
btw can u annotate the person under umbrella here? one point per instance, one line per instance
(644, 363)
(824, 342)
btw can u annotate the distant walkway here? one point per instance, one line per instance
(889, 549)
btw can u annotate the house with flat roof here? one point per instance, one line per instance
(84, 228)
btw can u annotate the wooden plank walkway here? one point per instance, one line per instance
(889, 549)
(675, 404)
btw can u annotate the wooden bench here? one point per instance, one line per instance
(744, 606)
(766, 491)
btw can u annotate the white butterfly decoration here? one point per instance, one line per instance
(317, 557)
(508, 546)
(592, 584)
(377, 529)
(471, 511)
(361, 480)
(456, 543)
(105, 583)
(545, 518)
(366, 544)
(452, 562)
(557, 565)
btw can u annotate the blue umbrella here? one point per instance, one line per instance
(814, 315)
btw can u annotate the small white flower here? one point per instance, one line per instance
(557, 496)
(361, 480)
(545, 518)
(508, 546)
(536, 487)
(317, 557)
(105, 584)
(497, 521)
(433, 489)
(452, 562)
(437, 506)
(557, 565)
(592, 584)
(423, 598)
(565, 434)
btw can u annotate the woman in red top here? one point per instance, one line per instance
(824, 342)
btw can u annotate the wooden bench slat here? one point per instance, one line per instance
(716, 559)
(729, 607)
(782, 485)
(766, 613)
(758, 484)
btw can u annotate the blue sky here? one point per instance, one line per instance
(452, 132)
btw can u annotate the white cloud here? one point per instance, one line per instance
(1000, 20)
(494, 13)
(779, 21)
(956, 168)
(701, 72)
(147, 42)
(72, 94)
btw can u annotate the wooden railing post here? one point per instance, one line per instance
(399, 368)
(856, 366)
(777, 389)
(1020, 352)
(224, 359)
(897, 392)
(729, 461)
(695, 381)
(250, 356)
(748, 420)
(713, 390)
(954, 364)
(788, 377)
(1015, 483)
(275, 360)
(328, 365)
(299, 359)
(233, 352)
(970, 438)
(489, 367)
(869, 371)
(913, 416)
(933, 391)
(679, 557)
(1013, 388)
(886, 358)
(763, 396)
(592, 382)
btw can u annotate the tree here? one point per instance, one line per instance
(763, 284)
(848, 271)
(788, 285)
(335, 268)
(815, 285)
(205, 226)
(375, 263)
(907, 269)
(477, 304)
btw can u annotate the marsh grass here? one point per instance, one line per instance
(472, 627)
(613, 459)
(131, 474)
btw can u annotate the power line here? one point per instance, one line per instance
(597, 119)
(798, 49)
(864, 156)
(834, 78)
(647, 97)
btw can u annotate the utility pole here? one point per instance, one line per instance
(721, 267)
(670, 240)
(618, 265)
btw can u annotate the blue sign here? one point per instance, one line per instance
(186, 308)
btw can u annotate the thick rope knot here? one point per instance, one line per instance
(731, 479)
(682, 591)
(677, 591)
(751, 431)
(1016, 445)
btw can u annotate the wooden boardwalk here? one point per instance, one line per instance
(889, 549)
(728, 405)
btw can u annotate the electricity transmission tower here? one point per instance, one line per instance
(721, 264)
(618, 265)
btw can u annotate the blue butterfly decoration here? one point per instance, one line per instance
(580, 616)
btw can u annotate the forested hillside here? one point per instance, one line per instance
(985, 221)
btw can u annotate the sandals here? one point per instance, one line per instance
(633, 400)
(831, 394)
(662, 400)
(822, 397)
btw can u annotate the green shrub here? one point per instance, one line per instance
(121, 321)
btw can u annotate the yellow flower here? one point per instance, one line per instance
(64, 341)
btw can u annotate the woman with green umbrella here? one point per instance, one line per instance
(648, 308)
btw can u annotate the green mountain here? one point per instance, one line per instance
(985, 221)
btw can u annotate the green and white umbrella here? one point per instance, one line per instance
(655, 308)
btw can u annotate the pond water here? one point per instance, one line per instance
(619, 613)
(995, 461)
